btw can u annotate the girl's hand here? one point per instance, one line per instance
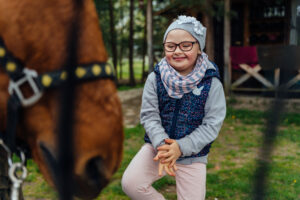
(164, 166)
(170, 152)
(157, 157)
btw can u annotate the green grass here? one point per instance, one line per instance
(127, 87)
(137, 69)
(231, 166)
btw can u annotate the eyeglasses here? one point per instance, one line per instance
(183, 46)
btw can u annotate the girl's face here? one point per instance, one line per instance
(182, 61)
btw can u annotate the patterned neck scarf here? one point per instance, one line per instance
(177, 85)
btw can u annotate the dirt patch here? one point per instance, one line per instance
(131, 106)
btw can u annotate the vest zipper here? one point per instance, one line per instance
(174, 120)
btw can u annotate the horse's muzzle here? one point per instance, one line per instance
(95, 179)
(87, 185)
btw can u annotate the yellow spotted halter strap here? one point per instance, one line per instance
(82, 73)
(14, 68)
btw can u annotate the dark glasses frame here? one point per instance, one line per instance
(179, 45)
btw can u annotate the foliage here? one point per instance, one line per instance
(103, 13)
(187, 5)
(121, 12)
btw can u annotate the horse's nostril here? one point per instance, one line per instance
(90, 184)
(95, 172)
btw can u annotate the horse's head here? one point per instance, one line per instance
(36, 32)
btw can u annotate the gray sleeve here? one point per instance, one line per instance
(215, 111)
(150, 117)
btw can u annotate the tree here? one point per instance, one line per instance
(121, 41)
(150, 35)
(113, 35)
(144, 45)
(130, 45)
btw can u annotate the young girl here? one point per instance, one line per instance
(183, 108)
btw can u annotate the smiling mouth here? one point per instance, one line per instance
(179, 58)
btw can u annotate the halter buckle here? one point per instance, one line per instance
(14, 87)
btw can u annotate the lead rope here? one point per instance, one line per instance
(17, 171)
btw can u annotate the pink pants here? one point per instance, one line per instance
(143, 171)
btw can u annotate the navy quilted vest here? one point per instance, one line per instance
(180, 117)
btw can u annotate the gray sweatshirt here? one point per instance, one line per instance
(215, 111)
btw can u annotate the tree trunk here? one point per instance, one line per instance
(113, 36)
(150, 35)
(227, 65)
(121, 62)
(131, 32)
(208, 22)
(121, 41)
(144, 44)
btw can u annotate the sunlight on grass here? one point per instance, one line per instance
(137, 69)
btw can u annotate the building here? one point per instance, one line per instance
(261, 24)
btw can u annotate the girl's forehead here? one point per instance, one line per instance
(179, 35)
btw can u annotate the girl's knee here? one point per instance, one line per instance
(131, 185)
(136, 186)
(125, 182)
(128, 183)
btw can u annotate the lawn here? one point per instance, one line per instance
(231, 167)
(137, 69)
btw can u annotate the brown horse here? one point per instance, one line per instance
(36, 32)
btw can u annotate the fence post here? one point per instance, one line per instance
(227, 66)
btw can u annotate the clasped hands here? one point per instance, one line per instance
(167, 155)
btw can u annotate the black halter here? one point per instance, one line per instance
(19, 75)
